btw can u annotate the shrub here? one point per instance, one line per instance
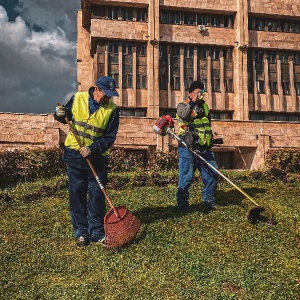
(120, 161)
(19, 166)
(287, 160)
(164, 160)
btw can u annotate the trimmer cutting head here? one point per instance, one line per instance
(253, 214)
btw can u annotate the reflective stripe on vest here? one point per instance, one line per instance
(89, 128)
(201, 125)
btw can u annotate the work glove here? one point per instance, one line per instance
(190, 138)
(60, 111)
(85, 151)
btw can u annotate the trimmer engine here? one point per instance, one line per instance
(163, 124)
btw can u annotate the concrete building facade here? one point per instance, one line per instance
(247, 53)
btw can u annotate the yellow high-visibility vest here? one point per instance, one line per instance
(201, 125)
(89, 128)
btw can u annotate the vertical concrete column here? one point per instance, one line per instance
(267, 87)
(292, 86)
(85, 62)
(209, 83)
(279, 84)
(134, 76)
(222, 85)
(245, 85)
(153, 59)
(182, 88)
(263, 145)
(120, 50)
(169, 78)
(240, 62)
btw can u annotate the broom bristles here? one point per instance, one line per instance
(122, 230)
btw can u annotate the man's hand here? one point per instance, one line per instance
(60, 111)
(85, 151)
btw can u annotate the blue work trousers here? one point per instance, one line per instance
(87, 202)
(188, 164)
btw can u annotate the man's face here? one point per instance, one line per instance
(99, 96)
(194, 94)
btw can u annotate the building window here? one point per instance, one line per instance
(297, 87)
(113, 61)
(163, 64)
(170, 56)
(113, 64)
(215, 115)
(285, 26)
(250, 71)
(227, 54)
(188, 66)
(101, 58)
(141, 15)
(175, 67)
(112, 13)
(216, 21)
(175, 17)
(215, 72)
(260, 85)
(274, 25)
(119, 13)
(127, 60)
(163, 17)
(133, 112)
(260, 25)
(141, 66)
(189, 18)
(287, 117)
(272, 66)
(285, 74)
(259, 70)
(256, 61)
(286, 87)
(202, 64)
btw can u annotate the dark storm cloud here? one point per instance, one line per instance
(37, 54)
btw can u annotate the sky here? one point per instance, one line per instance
(38, 65)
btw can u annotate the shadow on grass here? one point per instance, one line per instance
(152, 214)
(235, 197)
(232, 197)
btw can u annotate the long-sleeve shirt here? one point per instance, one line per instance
(73, 157)
(184, 110)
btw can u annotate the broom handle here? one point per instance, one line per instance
(91, 167)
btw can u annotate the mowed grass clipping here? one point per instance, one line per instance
(199, 255)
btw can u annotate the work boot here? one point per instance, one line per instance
(82, 241)
(212, 207)
(101, 242)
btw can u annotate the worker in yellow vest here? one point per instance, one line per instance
(195, 130)
(95, 118)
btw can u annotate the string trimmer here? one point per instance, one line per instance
(165, 125)
(120, 225)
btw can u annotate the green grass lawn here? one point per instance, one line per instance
(199, 255)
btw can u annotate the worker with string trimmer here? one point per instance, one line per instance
(194, 144)
(195, 131)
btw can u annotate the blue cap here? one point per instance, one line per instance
(107, 85)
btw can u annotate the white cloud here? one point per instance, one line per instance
(38, 68)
